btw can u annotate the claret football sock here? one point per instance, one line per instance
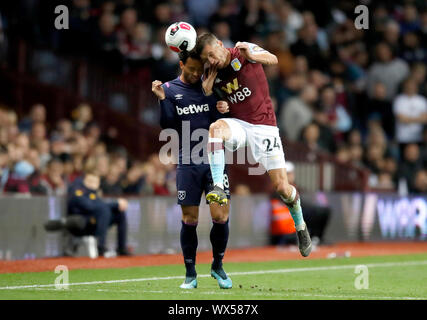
(216, 160)
(189, 244)
(219, 238)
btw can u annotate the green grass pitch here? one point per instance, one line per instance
(390, 277)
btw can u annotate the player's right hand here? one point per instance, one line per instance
(157, 89)
(222, 106)
(209, 79)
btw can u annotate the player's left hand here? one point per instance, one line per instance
(222, 106)
(123, 204)
(244, 49)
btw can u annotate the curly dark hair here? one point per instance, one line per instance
(184, 55)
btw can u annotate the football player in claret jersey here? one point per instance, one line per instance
(184, 106)
(243, 85)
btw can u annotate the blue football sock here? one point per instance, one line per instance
(189, 244)
(217, 161)
(296, 213)
(295, 210)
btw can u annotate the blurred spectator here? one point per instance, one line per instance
(128, 21)
(338, 117)
(111, 183)
(420, 183)
(105, 42)
(356, 155)
(316, 141)
(355, 138)
(55, 183)
(307, 45)
(343, 154)
(410, 20)
(17, 179)
(4, 168)
(392, 35)
(136, 48)
(418, 74)
(387, 70)
(410, 165)
(378, 105)
(290, 20)
(412, 50)
(82, 115)
(298, 112)
(133, 182)
(276, 44)
(385, 181)
(37, 114)
(410, 109)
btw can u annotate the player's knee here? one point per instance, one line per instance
(216, 129)
(189, 219)
(222, 218)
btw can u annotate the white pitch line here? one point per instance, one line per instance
(290, 270)
(263, 294)
(137, 291)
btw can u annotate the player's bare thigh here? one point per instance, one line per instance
(220, 129)
(279, 178)
(219, 213)
(190, 214)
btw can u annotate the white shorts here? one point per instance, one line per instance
(264, 142)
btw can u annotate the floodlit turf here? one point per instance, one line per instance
(390, 277)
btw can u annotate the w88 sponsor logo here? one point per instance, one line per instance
(240, 95)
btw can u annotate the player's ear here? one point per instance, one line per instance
(220, 43)
(181, 65)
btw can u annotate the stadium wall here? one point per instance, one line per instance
(154, 222)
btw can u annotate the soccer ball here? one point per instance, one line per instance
(180, 36)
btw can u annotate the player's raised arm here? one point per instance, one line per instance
(255, 53)
(157, 89)
(167, 110)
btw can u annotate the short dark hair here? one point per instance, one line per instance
(202, 41)
(184, 55)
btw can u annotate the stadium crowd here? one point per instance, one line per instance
(358, 94)
(38, 159)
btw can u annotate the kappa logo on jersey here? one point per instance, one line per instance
(178, 96)
(181, 194)
(235, 64)
(192, 108)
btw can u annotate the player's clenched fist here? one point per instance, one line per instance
(157, 89)
(244, 49)
(222, 106)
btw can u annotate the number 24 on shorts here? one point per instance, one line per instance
(267, 142)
